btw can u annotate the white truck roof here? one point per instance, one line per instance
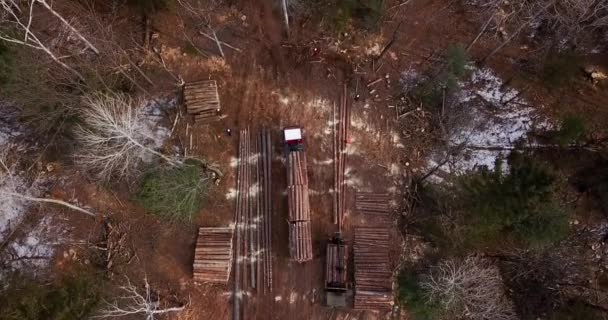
(293, 134)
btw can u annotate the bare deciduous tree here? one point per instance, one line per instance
(13, 21)
(470, 288)
(574, 21)
(11, 191)
(17, 20)
(135, 303)
(114, 137)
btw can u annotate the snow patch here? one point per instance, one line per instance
(12, 209)
(156, 134)
(234, 162)
(231, 194)
(396, 139)
(497, 119)
(322, 162)
(293, 297)
(409, 79)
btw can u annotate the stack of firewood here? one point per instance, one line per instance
(375, 206)
(213, 255)
(202, 101)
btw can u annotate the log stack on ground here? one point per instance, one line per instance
(213, 255)
(373, 277)
(374, 206)
(202, 101)
(264, 210)
(341, 124)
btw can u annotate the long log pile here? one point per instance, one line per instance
(300, 235)
(213, 255)
(253, 249)
(375, 206)
(373, 277)
(340, 132)
(264, 210)
(242, 208)
(202, 101)
(336, 266)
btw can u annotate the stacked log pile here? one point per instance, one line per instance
(202, 101)
(336, 266)
(213, 255)
(375, 206)
(340, 132)
(300, 235)
(373, 277)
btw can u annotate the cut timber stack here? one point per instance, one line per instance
(375, 206)
(202, 101)
(337, 261)
(373, 277)
(300, 235)
(213, 255)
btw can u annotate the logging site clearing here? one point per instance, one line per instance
(262, 159)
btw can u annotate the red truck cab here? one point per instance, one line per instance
(293, 139)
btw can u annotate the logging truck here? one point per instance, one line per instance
(300, 235)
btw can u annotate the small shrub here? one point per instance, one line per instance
(560, 69)
(175, 193)
(431, 91)
(456, 61)
(520, 204)
(411, 295)
(72, 298)
(433, 203)
(366, 12)
(571, 130)
(576, 311)
(5, 63)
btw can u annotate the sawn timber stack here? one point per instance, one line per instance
(213, 255)
(373, 276)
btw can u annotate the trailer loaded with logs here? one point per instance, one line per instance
(336, 272)
(300, 235)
